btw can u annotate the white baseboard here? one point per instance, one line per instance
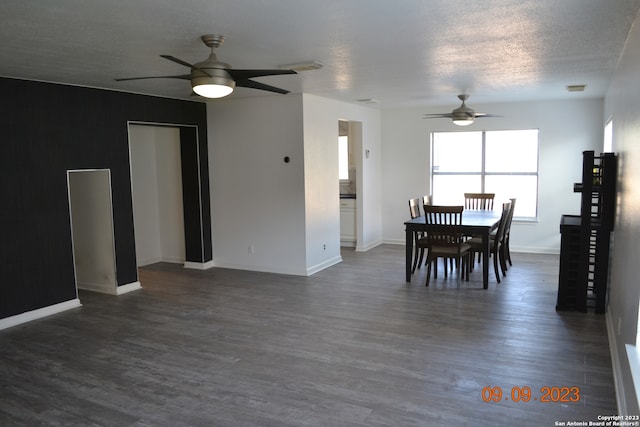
(28, 316)
(280, 270)
(173, 260)
(534, 250)
(367, 247)
(199, 265)
(148, 261)
(323, 265)
(394, 242)
(262, 268)
(129, 287)
(618, 382)
(103, 288)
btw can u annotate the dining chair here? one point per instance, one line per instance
(428, 200)
(507, 231)
(443, 236)
(505, 252)
(414, 208)
(419, 245)
(496, 243)
(482, 201)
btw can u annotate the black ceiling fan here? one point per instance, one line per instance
(212, 78)
(461, 116)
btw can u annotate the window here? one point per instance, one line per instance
(502, 162)
(608, 137)
(633, 356)
(343, 157)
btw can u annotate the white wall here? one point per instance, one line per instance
(566, 129)
(322, 190)
(622, 105)
(321, 116)
(157, 194)
(257, 200)
(286, 213)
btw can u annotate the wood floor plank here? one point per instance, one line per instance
(353, 345)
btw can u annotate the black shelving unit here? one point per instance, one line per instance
(586, 238)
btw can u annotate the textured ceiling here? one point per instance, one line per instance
(401, 53)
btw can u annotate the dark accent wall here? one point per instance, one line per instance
(192, 181)
(47, 129)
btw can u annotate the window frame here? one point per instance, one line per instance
(483, 173)
(341, 159)
(607, 144)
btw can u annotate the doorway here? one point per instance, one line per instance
(157, 192)
(350, 182)
(91, 213)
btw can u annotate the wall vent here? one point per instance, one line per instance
(576, 88)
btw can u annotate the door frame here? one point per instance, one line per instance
(108, 288)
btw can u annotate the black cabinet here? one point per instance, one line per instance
(585, 238)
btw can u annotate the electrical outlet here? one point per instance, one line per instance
(251, 249)
(324, 246)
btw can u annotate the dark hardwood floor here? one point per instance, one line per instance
(353, 345)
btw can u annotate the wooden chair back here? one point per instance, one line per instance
(482, 201)
(427, 200)
(507, 231)
(507, 228)
(444, 225)
(414, 207)
(504, 221)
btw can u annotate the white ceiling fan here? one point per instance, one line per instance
(461, 116)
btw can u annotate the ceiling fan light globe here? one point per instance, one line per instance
(216, 85)
(463, 115)
(212, 90)
(463, 121)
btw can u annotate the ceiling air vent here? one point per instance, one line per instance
(576, 88)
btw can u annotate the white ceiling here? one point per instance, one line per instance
(403, 53)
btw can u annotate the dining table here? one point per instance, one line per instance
(474, 222)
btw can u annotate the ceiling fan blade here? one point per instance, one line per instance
(249, 74)
(178, 61)
(486, 115)
(462, 113)
(257, 85)
(181, 76)
(185, 63)
(437, 116)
